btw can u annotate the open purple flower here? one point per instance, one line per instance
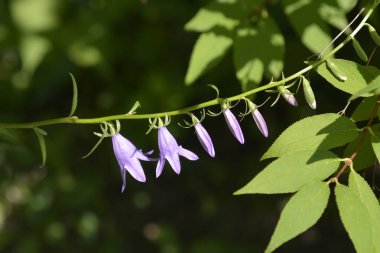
(205, 139)
(128, 157)
(233, 125)
(170, 150)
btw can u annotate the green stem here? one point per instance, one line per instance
(76, 120)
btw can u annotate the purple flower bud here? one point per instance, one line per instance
(170, 150)
(233, 125)
(290, 99)
(128, 156)
(287, 95)
(205, 139)
(260, 122)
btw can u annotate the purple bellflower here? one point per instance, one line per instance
(287, 95)
(128, 157)
(205, 139)
(233, 125)
(170, 150)
(258, 118)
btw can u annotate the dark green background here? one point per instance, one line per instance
(75, 204)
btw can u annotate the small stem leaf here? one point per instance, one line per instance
(355, 218)
(75, 96)
(94, 147)
(289, 173)
(301, 212)
(359, 186)
(359, 50)
(134, 108)
(40, 136)
(321, 132)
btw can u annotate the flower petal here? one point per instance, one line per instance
(233, 125)
(160, 166)
(205, 139)
(134, 168)
(290, 99)
(260, 122)
(187, 153)
(173, 159)
(122, 171)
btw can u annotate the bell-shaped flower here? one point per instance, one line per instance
(287, 95)
(170, 150)
(205, 139)
(258, 118)
(233, 125)
(128, 157)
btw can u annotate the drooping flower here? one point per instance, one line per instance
(205, 139)
(233, 125)
(128, 157)
(170, 150)
(287, 95)
(258, 118)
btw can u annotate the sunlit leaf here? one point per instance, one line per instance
(289, 173)
(358, 76)
(322, 132)
(208, 51)
(301, 212)
(355, 218)
(359, 186)
(372, 89)
(212, 15)
(74, 102)
(251, 63)
(305, 19)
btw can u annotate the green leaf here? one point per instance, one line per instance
(355, 218)
(375, 142)
(321, 132)
(213, 15)
(359, 186)
(365, 157)
(251, 63)
(6, 135)
(364, 110)
(40, 136)
(74, 102)
(208, 51)
(289, 173)
(309, 26)
(301, 212)
(358, 76)
(226, 14)
(372, 89)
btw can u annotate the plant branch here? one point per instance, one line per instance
(76, 120)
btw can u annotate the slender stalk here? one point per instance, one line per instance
(76, 120)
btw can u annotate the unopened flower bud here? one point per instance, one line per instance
(287, 95)
(359, 50)
(308, 92)
(258, 118)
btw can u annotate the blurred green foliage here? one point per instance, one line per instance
(120, 52)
